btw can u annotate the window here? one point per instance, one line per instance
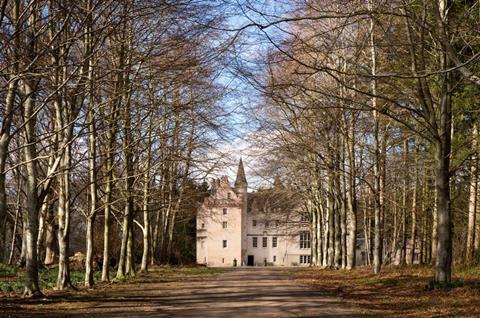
(223, 260)
(254, 241)
(203, 225)
(229, 195)
(224, 210)
(224, 225)
(277, 223)
(274, 258)
(267, 224)
(274, 241)
(264, 241)
(305, 259)
(224, 243)
(305, 239)
(254, 222)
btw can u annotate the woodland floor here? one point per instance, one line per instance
(399, 291)
(263, 292)
(189, 292)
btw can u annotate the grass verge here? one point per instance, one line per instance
(11, 278)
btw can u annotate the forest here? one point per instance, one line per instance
(108, 109)
(112, 114)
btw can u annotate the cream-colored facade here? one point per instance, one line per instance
(237, 228)
(219, 227)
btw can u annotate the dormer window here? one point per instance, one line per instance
(224, 211)
(229, 195)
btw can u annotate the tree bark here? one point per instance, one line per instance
(7, 117)
(413, 233)
(330, 235)
(403, 256)
(443, 266)
(395, 230)
(51, 250)
(92, 149)
(351, 195)
(377, 254)
(473, 198)
(32, 204)
(146, 198)
(63, 234)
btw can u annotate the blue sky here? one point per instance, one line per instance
(241, 99)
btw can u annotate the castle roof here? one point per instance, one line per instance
(272, 200)
(241, 180)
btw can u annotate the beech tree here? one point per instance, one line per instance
(382, 38)
(108, 106)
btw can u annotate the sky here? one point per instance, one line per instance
(249, 48)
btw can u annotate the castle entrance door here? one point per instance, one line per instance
(250, 261)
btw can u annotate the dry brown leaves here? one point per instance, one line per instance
(399, 291)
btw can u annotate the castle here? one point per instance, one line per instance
(238, 228)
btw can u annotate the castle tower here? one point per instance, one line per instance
(241, 181)
(241, 188)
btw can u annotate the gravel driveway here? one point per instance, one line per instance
(240, 292)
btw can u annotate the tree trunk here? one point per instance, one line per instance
(413, 233)
(125, 256)
(7, 117)
(146, 199)
(32, 204)
(121, 271)
(146, 221)
(338, 238)
(129, 262)
(366, 229)
(313, 229)
(377, 254)
(433, 257)
(51, 250)
(351, 197)
(393, 257)
(444, 245)
(330, 223)
(92, 149)
(106, 228)
(18, 211)
(107, 201)
(63, 279)
(473, 197)
(89, 282)
(443, 266)
(403, 257)
(343, 218)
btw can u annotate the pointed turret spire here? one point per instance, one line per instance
(241, 180)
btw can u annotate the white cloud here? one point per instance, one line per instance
(250, 153)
